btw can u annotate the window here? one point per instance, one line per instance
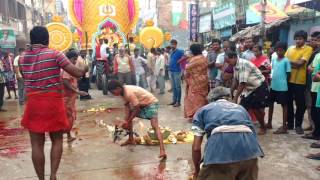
(12, 4)
(21, 11)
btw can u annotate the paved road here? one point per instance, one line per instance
(94, 156)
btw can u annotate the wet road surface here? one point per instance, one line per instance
(94, 156)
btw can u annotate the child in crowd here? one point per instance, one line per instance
(281, 69)
(138, 103)
(71, 93)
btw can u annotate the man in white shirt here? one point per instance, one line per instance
(248, 54)
(103, 50)
(159, 70)
(20, 80)
(138, 63)
(220, 63)
(151, 62)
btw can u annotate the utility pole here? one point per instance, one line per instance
(263, 23)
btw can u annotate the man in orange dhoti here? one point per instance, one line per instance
(71, 93)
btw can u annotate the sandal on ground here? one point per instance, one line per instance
(71, 139)
(280, 131)
(310, 136)
(314, 156)
(308, 128)
(315, 145)
(269, 126)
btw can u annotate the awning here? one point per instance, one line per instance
(253, 31)
(310, 4)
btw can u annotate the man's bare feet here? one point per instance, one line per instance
(163, 155)
(129, 142)
(318, 168)
(71, 139)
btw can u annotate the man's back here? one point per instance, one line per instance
(138, 96)
(231, 146)
(41, 68)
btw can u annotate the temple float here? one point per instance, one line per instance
(107, 19)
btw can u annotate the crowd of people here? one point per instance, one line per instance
(286, 76)
(8, 77)
(227, 89)
(257, 79)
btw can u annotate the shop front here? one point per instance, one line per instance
(224, 18)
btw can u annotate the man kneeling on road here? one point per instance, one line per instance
(232, 148)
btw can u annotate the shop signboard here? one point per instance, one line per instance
(193, 22)
(224, 16)
(7, 38)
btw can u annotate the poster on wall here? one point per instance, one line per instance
(7, 38)
(193, 22)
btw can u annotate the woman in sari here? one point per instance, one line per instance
(196, 82)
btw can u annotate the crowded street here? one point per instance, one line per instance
(94, 155)
(160, 89)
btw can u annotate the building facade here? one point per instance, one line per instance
(19, 16)
(173, 16)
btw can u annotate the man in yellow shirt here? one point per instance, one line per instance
(299, 56)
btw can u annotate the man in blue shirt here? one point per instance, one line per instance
(232, 147)
(175, 73)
